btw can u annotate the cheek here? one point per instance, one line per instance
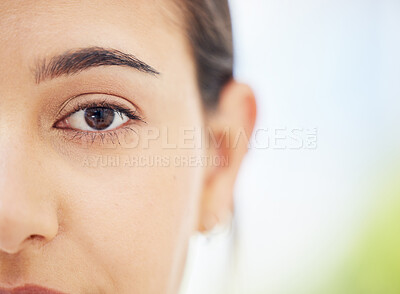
(134, 221)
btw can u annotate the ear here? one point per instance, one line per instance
(230, 127)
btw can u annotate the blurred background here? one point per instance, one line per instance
(318, 196)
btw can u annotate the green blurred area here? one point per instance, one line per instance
(373, 266)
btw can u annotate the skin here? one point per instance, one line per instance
(70, 225)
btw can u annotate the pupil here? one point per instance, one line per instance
(99, 118)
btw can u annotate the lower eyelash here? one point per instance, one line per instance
(85, 137)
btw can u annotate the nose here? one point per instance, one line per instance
(27, 214)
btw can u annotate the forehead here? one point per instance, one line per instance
(117, 11)
(145, 28)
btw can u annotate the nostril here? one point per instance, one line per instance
(35, 237)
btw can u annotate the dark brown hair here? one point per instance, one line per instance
(209, 29)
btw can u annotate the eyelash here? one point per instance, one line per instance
(119, 109)
(93, 135)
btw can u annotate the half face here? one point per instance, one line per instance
(92, 199)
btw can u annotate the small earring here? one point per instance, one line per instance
(218, 228)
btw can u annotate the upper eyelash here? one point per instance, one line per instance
(132, 114)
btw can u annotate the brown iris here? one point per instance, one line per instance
(99, 118)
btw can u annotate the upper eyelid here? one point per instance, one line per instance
(119, 109)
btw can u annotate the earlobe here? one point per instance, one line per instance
(231, 126)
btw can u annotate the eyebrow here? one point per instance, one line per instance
(75, 61)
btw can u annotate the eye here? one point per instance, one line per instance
(95, 119)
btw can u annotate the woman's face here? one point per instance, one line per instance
(107, 216)
(99, 109)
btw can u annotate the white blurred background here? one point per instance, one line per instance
(326, 65)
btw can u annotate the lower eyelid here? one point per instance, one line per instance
(89, 138)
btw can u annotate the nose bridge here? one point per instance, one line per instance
(26, 210)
